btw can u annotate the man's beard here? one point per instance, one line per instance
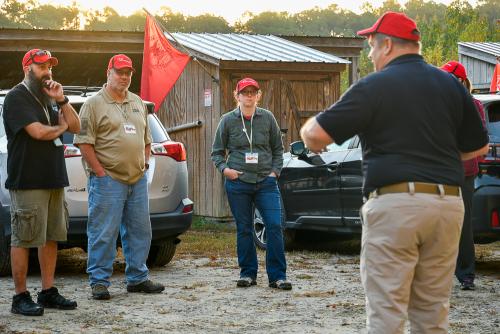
(35, 85)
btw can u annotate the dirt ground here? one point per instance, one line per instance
(201, 297)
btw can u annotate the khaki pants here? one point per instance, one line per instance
(408, 254)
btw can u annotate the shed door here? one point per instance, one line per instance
(294, 98)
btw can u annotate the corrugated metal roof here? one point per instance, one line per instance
(245, 47)
(487, 47)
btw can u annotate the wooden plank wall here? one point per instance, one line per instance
(185, 103)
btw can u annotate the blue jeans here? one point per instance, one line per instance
(265, 196)
(117, 207)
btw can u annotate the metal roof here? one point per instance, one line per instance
(486, 47)
(246, 47)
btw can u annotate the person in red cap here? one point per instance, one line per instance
(465, 268)
(248, 151)
(416, 123)
(36, 114)
(115, 142)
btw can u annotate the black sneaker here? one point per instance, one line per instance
(147, 287)
(100, 292)
(23, 304)
(281, 284)
(51, 298)
(467, 284)
(245, 282)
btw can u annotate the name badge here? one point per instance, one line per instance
(130, 129)
(57, 142)
(252, 158)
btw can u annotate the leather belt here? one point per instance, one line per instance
(418, 187)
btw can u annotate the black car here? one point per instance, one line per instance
(319, 192)
(323, 192)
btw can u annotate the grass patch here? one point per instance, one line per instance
(201, 223)
(207, 243)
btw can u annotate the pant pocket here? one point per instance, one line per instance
(66, 214)
(24, 224)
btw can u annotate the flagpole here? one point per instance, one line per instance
(214, 79)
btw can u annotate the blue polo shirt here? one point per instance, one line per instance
(413, 121)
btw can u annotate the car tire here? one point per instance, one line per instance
(5, 268)
(160, 255)
(259, 231)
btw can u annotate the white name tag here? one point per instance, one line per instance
(130, 129)
(252, 158)
(57, 142)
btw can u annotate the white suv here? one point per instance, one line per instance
(170, 208)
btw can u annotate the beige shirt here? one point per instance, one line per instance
(118, 131)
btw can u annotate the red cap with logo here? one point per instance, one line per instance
(455, 68)
(38, 56)
(394, 24)
(120, 61)
(245, 82)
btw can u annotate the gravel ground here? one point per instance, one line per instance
(201, 297)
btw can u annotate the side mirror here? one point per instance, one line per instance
(298, 148)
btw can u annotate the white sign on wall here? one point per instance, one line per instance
(208, 97)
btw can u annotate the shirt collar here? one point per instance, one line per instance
(109, 99)
(237, 112)
(407, 58)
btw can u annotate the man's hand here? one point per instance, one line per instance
(231, 174)
(54, 90)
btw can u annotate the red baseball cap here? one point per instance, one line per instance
(394, 24)
(38, 56)
(455, 68)
(245, 82)
(120, 61)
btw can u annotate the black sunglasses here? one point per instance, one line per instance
(39, 53)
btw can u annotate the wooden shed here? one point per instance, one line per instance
(297, 82)
(479, 59)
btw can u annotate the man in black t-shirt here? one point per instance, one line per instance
(415, 123)
(36, 114)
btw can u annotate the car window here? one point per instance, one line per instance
(493, 110)
(335, 147)
(158, 132)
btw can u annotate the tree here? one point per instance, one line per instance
(207, 23)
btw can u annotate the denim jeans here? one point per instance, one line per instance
(117, 207)
(265, 197)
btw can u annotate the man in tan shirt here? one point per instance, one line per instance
(115, 143)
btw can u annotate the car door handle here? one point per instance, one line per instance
(332, 167)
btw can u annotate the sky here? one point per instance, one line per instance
(230, 10)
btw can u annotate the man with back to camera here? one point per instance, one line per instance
(416, 123)
(115, 143)
(36, 114)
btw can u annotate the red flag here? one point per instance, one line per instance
(495, 80)
(162, 64)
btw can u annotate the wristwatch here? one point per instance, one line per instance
(146, 165)
(66, 100)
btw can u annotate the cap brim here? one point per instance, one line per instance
(366, 32)
(247, 85)
(121, 68)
